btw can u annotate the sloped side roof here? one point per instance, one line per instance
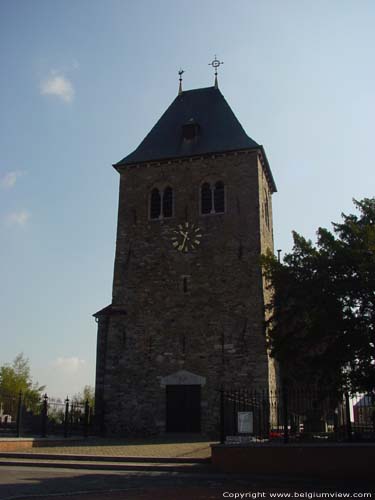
(110, 310)
(219, 129)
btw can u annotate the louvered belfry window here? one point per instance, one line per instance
(206, 198)
(219, 197)
(190, 130)
(155, 204)
(168, 202)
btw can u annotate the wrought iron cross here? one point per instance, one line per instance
(215, 64)
(181, 72)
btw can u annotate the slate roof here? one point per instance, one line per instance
(110, 310)
(219, 130)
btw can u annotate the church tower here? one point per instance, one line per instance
(188, 309)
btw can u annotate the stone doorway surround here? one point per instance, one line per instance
(190, 399)
(182, 377)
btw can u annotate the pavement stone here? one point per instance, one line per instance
(155, 447)
(67, 484)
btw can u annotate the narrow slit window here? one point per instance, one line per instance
(266, 209)
(183, 342)
(206, 199)
(155, 204)
(168, 202)
(219, 197)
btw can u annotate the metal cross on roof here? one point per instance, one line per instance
(215, 64)
(181, 72)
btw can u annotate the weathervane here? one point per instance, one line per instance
(181, 72)
(215, 64)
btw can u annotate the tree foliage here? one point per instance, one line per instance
(16, 378)
(322, 314)
(87, 394)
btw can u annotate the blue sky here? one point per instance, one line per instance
(83, 81)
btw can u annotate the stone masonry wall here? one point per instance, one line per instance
(214, 330)
(266, 245)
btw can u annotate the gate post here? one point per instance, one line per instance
(222, 423)
(336, 423)
(19, 414)
(347, 415)
(44, 415)
(66, 417)
(86, 419)
(285, 414)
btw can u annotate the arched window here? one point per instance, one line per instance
(161, 203)
(155, 204)
(213, 198)
(168, 202)
(206, 198)
(219, 197)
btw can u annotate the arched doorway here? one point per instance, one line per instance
(183, 408)
(183, 401)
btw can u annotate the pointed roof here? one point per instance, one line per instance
(219, 130)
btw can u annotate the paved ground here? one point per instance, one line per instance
(150, 483)
(165, 447)
(64, 484)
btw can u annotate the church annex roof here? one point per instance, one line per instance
(110, 310)
(214, 128)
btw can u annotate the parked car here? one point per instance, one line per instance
(276, 434)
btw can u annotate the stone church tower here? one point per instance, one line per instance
(188, 308)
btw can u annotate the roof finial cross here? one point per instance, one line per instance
(215, 64)
(181, 72)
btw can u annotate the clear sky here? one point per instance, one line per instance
(81, 84)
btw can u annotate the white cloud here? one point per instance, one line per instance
(59, 86)
(17, 218)
(8, 180)
(68, 365)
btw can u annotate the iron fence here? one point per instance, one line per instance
(295, 416)
(25, 416)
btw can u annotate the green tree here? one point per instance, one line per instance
(16, 378)
(322, 315)
(87, 394)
